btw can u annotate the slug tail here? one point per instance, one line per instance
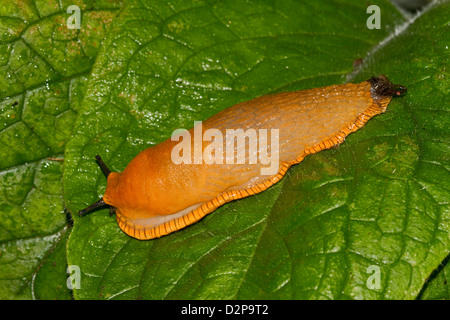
(382, 88)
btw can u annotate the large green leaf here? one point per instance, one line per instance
(376, 204)
(44, 67)
(379, 202)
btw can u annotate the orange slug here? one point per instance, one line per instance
(158, 194)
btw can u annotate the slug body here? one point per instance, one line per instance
(155, 196)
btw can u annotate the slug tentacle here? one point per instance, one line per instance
(104, 167)
(101, 202)
(95, 205)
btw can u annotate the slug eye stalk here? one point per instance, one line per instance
(99, 203)
(104, 167)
